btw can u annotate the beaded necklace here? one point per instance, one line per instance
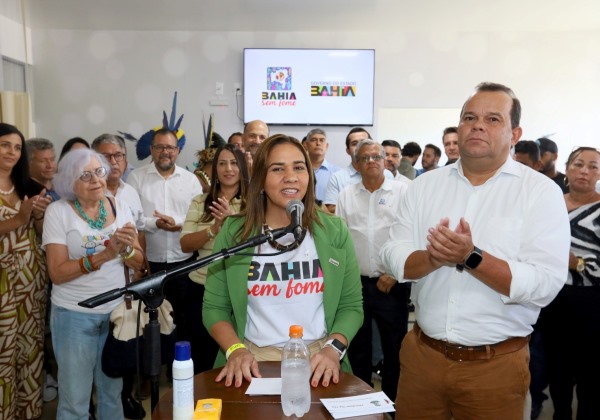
(99, 222)
(284, 248)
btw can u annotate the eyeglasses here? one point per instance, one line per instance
(117, 156)
(86, 176)
(367, 159)
(163, 147)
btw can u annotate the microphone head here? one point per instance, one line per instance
(295, 204)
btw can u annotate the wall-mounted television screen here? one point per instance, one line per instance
(309, 86)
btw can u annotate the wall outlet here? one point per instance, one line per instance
(237, 88)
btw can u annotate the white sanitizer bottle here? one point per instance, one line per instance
(183, 382)
(295, 375)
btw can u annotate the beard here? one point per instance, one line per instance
(165, 165)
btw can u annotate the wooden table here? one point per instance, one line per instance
(237, 405)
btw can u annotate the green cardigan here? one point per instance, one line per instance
(226, 293)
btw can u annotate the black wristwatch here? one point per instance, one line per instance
(472, 261)
(338, 346)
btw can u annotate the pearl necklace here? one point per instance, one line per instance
(9, 192)
(97, 224)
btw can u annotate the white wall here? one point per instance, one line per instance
(89, 82)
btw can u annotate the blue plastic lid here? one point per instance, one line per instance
(183, 350)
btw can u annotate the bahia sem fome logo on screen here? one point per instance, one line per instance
(279, 78)
(279, 87)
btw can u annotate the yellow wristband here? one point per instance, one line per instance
(233, 348)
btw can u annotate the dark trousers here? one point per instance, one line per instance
(390, 312)
(570, 331)
(537, 364)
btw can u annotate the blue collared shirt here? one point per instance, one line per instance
(322, 175)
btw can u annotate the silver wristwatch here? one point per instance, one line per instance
(338, 346)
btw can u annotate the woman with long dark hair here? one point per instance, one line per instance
(22, 282)
(252, 298)
(205, 217)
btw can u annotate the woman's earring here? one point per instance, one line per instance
(566, 181)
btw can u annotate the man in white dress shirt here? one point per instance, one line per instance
(369, 208)
(166, 191)
(474, 239)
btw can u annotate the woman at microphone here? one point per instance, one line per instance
(310, 279)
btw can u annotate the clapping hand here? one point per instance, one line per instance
(220, 210)
(165, 222)
(447, 246)
(123, 238)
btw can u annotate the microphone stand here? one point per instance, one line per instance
(150, 291)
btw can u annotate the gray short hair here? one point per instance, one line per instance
(109, 139)
(316, 131)
(37, 143)
(70, 168)
(367, 142)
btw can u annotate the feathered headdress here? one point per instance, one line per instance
(142, 145)
(212, 141)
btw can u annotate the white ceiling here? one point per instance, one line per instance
(314, 15)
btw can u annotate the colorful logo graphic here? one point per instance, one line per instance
(279, 78)
(342, 89)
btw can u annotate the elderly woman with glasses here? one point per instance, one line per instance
(89, 238)
(571, 323)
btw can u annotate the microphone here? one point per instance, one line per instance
(295, 208)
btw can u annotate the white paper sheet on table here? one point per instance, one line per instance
(358, 405)
(264, 386)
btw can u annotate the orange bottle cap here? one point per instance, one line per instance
(296, 331)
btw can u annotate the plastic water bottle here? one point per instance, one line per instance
(295, 375)
(183, 382)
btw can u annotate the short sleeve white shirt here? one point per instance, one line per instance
(369, 216)
(63, 226)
